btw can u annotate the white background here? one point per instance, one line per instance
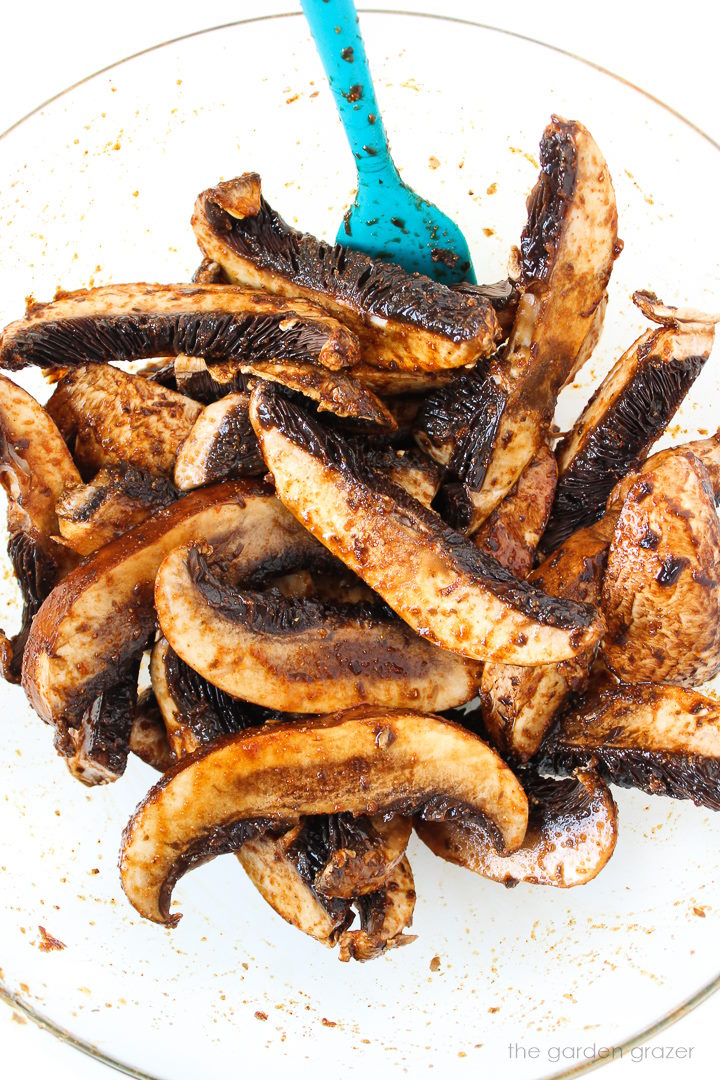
(670, 50)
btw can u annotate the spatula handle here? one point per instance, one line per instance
(335, 28)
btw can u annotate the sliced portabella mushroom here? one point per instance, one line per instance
(630, 410)
(447, 415)
(567, 251)
(194, 710)
(332, 392)
(35, 466)
(210, 273)
(664, 740)
(405, 322)
(148, 736)
(354, 856)
(442, 585)
(139, 321)
(296, 654)
(281, 883)
(363, 762)
(101, 616)
(117, 418)
(571, 834)
(207, 382)
(661, 592)
(384, 916)
(116, 500)
(520, 703)
(96, 751)
(503, 295)
(284, 869)
(411, 470)
(221, 445)
(512, 532)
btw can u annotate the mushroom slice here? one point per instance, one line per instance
(567, 251)
(405, 322)
(520, 703)
(367, 761)
(334, 392)
(121, 418)
(447, 415)
(207, 382)
(138, 322)
(116, 500)
(194, 710)
(351, 856)
(503, 295)
(300, 655)
(630, 409)
(384, 916)
(148, 736)
(388, 383)
(411, 470)
(442, 586)
(101, 616)
(210, 273)
(661, 593)
(664, 740)
(283, 869)
(96, 752)
(571, 834)
(512, 532)
(280, 882)
(35, 466)
(221, 444)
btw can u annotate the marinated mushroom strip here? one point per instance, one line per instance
(196, 713)
(332, 392)
(567, 251)
(194, 710)
(210, 273)
(630, 409)
(161, 371)
(519, 704)
(661, 592)
(512, 532)
(148, 736)
(571, 834)
(140, 321)
(503, 295)
(101, 616)
(280, 883)
(384, 916)
(221, 445)
(387, 383)
(35, 466)
(664, 740)
(364, 761)
(301, 655)
(411, 470)
(115, 501)
(404, 322)
(101, 742)
(207, 383)
(447, 414)
(352, 856)
(441, 585)
(118, 418)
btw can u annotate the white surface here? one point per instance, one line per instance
(672, 58)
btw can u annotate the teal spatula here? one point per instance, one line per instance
(388, 220)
